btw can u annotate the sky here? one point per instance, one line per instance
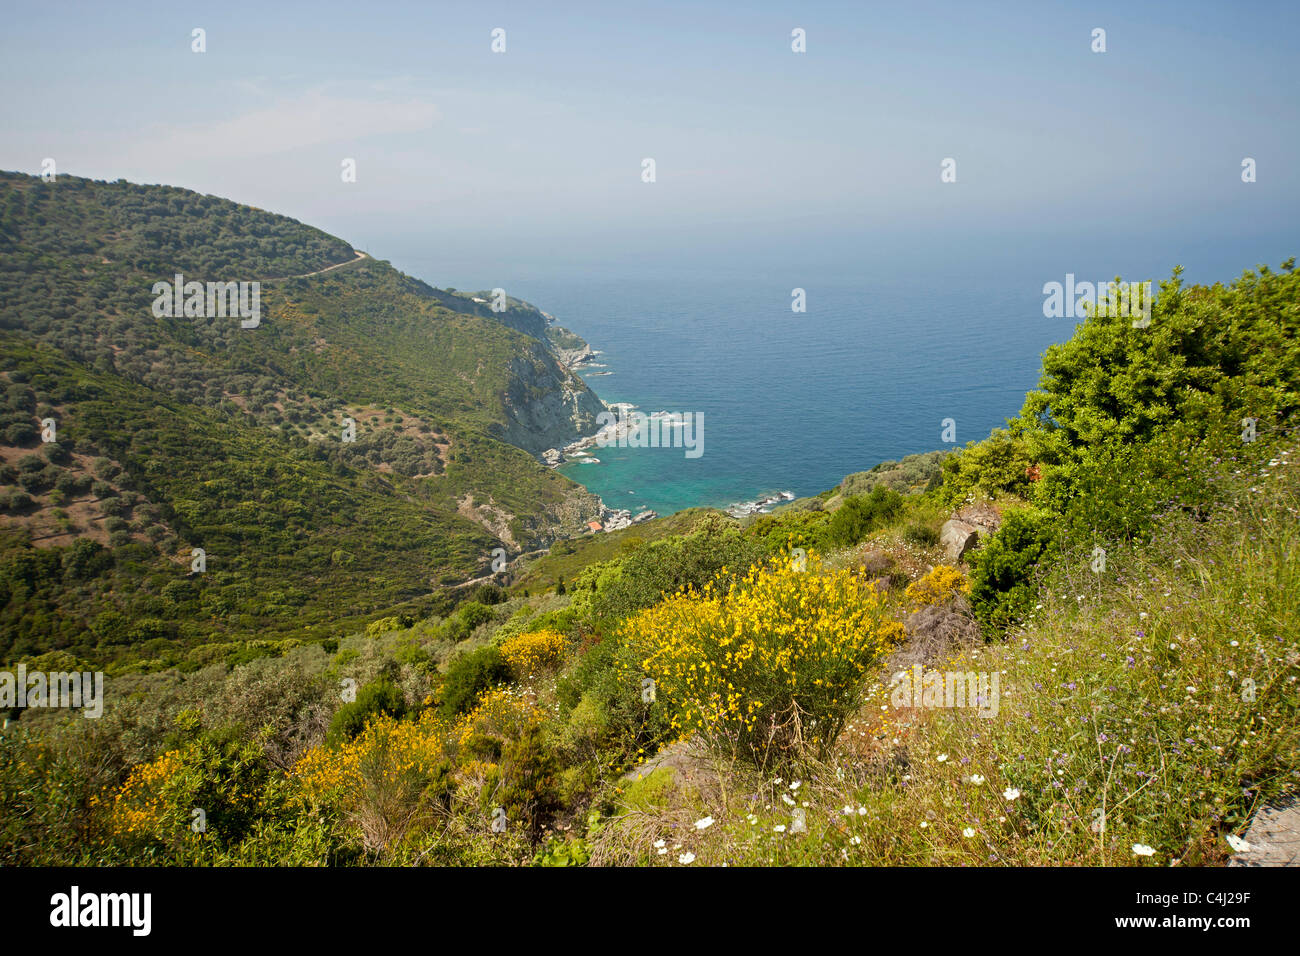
(476, 163)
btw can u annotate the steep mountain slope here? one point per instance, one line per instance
(350, 441)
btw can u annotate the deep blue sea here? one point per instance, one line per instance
(795, 401)
(791, 401)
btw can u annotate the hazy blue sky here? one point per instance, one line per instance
(532, 158)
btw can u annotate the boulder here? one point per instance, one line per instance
(876, 562)
(958, 537)
(983, 516)
(1273, 838)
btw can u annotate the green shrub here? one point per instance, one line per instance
(1002, 571)
(805, 529)
(383, 626)
(20, 434)
(998, 465)
(603, 708)
(466, 619)
(1122, 491)
(468, 676)
(1210, 354)
(15, 501)
(921, 535)
(376, 698)
(529, 769)
(639, 579)
(488, 594)
(913, 473)
(413, 654)
(858, 516)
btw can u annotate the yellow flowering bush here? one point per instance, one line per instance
(141, 806)
(776, 662)
(938, 586)
(391, 780)
(387, 782)
(210, 793)
(394, 747)
(502, 761)
(526, 654)
(501, 713)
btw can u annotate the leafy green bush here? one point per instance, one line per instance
(642, 577)
(1002, 571)
(488, 594)
(802, 528)
(379, 697)
(468, 676)
(602, 707)
(529, 769)
(466, 618)
(998, 465)
(913, 473)
(921, 535)
(1121, 491)
(857, 517)
(1210, 355)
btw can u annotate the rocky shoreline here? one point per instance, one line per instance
(610, 434)
(759, 506)
(611, 519)
(574, 359)
(577, 452)
(615, 519)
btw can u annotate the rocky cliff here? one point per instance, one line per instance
(547, 404)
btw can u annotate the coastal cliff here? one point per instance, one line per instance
(546, 404)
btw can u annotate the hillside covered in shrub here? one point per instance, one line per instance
(180, 432)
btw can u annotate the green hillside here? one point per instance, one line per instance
(179, 432)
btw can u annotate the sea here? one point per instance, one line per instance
(887, 351)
